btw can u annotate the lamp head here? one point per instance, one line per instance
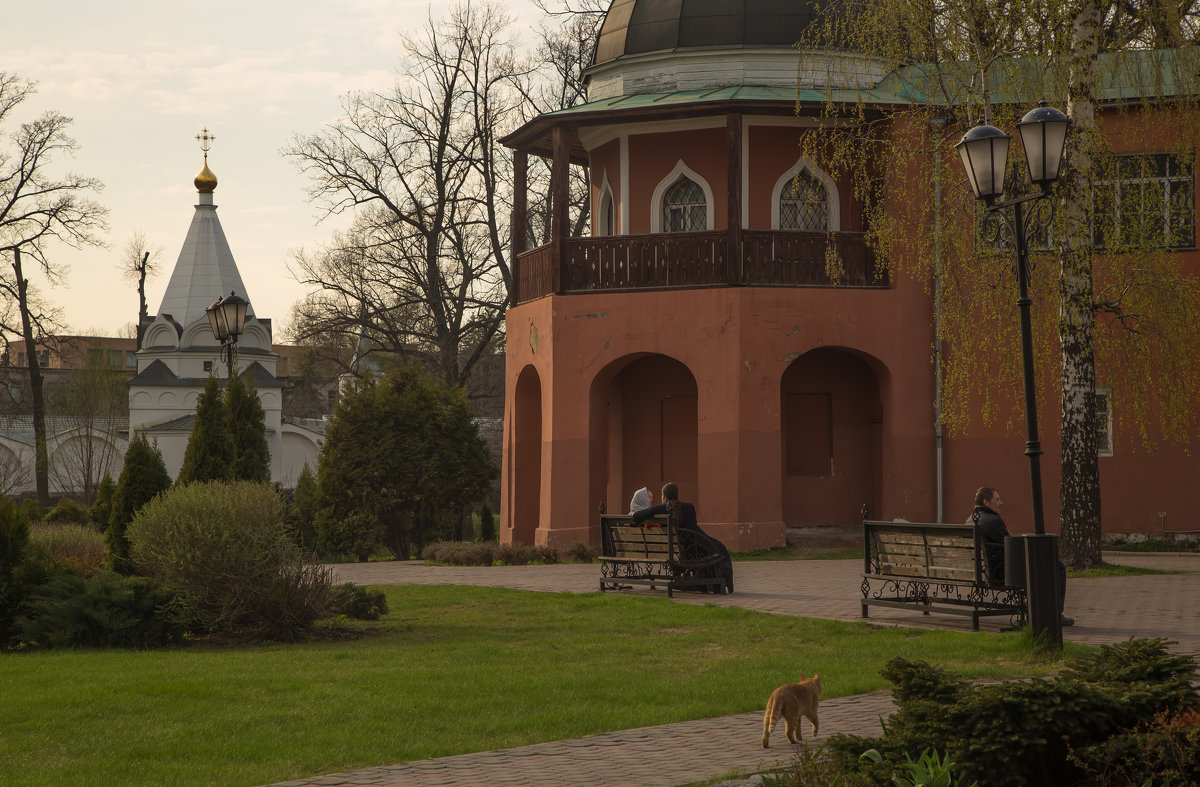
(227, 317)
(1044, 137)
(984, 152)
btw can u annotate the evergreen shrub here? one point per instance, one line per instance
(14, 541)
(1022, 732)
(487, 522)
(1165, 751)
(358, 602)
(225, 549)
(302, 513)
(143, 476)
(101, 508)
(103, 610)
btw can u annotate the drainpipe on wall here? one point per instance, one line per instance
(937, 125)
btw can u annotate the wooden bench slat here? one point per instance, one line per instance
(932, 566)
(645, 554)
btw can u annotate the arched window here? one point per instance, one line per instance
(804, 204)
(605, 216)
(685, 208)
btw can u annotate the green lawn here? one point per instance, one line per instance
(450, 670)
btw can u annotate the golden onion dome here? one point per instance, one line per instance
(205, 180)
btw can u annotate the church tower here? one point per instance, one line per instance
(178, 351)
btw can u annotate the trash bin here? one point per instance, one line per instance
(1014, 561)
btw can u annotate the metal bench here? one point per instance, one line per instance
(934, 568)
(650, 554)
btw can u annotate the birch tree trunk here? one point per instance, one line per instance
(1079, 502)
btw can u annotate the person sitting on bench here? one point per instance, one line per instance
(992, 531)
(694, 542)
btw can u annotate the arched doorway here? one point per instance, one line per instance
(831, 420)
(526, 485)
(644, 428)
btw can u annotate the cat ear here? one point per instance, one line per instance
(816, 676)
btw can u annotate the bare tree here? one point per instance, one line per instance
(87, 409)
(37, 208)
(140, 261)
(423, 271)
(14, 472)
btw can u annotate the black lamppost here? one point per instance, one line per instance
(227, 317)
(984, 151)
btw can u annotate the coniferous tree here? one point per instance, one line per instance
(402, 457)
(210, 450)
(304, 509)
(143, 477)
(248, 428)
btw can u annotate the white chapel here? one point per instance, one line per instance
(179, 353)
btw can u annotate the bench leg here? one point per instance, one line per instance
(864, 609)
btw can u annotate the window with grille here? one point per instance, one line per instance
(684, 207)
(804, 205)
(1144, 200)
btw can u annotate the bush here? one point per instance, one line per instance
(74, 546)
(461, 553)
(101, 508)
(68, 511)
(579, 552)
(516, 554)
(14, 541)
(358, 602)
(1022, 732)
(30, 510)
(1166, 751)
(224, 548)
(104, 610)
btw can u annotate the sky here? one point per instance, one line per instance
(141, 79)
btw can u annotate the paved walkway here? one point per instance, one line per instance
(1106, 610)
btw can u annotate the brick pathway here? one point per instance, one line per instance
(1106, 611)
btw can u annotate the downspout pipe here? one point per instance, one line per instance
(937, 126)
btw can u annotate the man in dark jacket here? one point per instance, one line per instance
(992, 531)
(697, 546)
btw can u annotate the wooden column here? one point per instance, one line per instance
(559, 172)
(733, 221)
(520, 219)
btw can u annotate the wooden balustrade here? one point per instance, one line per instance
(698, 259)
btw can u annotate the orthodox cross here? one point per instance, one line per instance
(205, 142)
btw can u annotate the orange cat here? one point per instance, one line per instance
(791, 702)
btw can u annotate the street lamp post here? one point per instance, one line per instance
(227, 318)
(984, 152)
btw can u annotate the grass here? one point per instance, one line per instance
(1153, 545)
(793, 552)
(450, 670)
(1116, 570)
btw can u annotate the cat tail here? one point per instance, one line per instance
(768, 722)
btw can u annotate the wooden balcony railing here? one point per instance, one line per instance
(697, 259)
